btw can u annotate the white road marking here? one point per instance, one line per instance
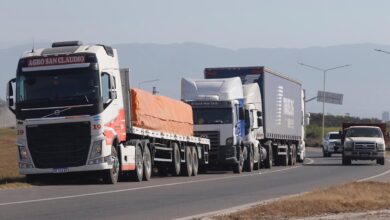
(373, 177)
(209, 215)
(311, 161)
(141, 188)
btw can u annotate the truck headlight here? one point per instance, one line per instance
(348, 145)
(97, 149)
(23, 154)
(229, 141)
(380, 146)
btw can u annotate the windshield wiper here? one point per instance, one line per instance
(76, 97)
(35, 100)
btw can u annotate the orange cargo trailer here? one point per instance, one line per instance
(160, 113)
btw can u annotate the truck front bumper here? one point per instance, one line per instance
(93, 167)
(364, 155)
(224, 155)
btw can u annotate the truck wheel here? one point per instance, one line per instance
(187, 167)
(249, 162)
(137, 174)
(346, 161)
(237, 168)
(380, 161)
(31, 178)
(195, 161)
(176, 165)
(147, 163)
(268, 161)
(111, 176)
(283, 159)
(292, 156)
(259, 159)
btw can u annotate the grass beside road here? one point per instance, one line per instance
(351, 197)
(9, 173)
(314, 134)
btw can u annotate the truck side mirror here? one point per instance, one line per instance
(10, 95)
(113, 94)
(259, 122)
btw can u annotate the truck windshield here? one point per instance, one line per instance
(212, 116)
(334, 136)
(363, 132)
(57, 87)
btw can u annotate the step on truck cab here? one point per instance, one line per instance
(282, 111)
(364, 142)
(218, 107)
(75, 113)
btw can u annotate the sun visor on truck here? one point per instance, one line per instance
(160, 113)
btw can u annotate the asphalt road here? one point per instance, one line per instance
(178, 197)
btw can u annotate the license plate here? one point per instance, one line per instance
(60, 170)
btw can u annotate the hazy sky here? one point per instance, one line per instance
(224, 23)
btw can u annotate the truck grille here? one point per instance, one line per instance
(59, 145)
(364, 146)
(214, 137)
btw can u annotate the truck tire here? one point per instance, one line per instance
(292, 156)
(195, 161)
(259, 159)
(31, 178)
(237, 168)
(111, 176)
(249, 162)
(283, 159)
(268, 161)
(176, 160)
(380, 161)
(147, 163)
(346, 161)
(187, 166)
(137, 174)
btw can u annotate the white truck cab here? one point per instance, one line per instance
(218, 108)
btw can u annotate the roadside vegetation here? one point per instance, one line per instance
(351, 197)
(9, 174)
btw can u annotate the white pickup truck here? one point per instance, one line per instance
(364, 142)
(332, 144)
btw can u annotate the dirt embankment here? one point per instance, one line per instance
(352, 197)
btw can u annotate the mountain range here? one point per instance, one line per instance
(364, 83)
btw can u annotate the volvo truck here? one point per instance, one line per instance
(75, 113)
(282, 111)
